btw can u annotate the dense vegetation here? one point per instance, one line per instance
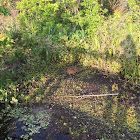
(38, 36)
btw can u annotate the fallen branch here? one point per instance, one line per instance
(81, 96)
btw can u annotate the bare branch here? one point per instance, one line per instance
(85, 96)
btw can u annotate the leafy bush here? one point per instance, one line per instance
(83, 24)
(23, 39)
(5, 46)
(4, 11)
(36, 15)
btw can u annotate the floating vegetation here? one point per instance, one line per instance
(31, 122)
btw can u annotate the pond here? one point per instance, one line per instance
(59, 110)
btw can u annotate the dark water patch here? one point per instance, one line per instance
(48, 134)
(31, 125)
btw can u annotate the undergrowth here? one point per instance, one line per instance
(48, 35)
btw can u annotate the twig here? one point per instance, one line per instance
(91, 95)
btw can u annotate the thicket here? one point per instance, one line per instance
(86, 29)
(102, 34)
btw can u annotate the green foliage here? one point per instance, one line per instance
(23, 39)
(91, 17)
(4, 11)
(8, 93)
(5, 46)
(35, 122)
(31, 122)
(36, 15)
(74, 24)
(88, 33)
(45, 55)
(20, 55)
(83, 30)
(42, 17)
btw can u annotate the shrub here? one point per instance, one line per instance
(5, 46)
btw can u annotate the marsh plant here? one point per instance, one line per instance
(30, 122)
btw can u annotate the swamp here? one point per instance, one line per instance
(69, 70)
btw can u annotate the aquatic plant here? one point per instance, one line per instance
(29, 121)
